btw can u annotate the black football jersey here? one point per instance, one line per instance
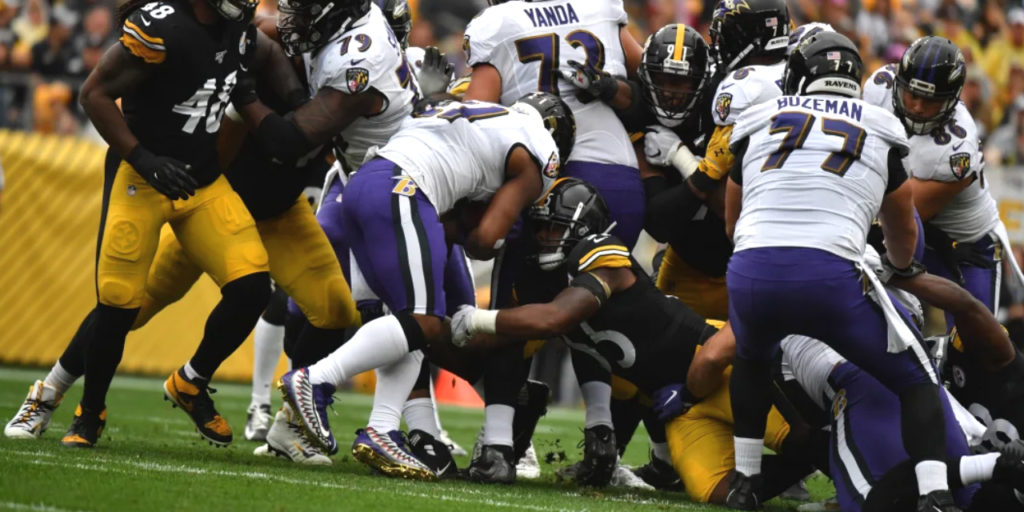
(639, 334)
(1001, 392)
(177, 111)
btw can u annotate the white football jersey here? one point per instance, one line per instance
(459, 150)
(745, 88)
(814, 173)
(366, 56)
(529, 42)
(951, 154)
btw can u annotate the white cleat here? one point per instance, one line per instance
(285, 439)
(625, 477)
(258, 423)
(457, 451)
(34, 415)
(528, 466)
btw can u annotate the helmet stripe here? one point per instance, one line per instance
(922, 66)
(677, 52)
(938, 53)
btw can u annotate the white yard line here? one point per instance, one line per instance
(35, 507)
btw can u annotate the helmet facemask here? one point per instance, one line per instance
(922, 125)
(235, 10)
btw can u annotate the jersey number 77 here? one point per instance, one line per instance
(798, 125)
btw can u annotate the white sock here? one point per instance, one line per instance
(433, 405)
(597, 396)
(268, 342)
(661, 452)
(748, 455)
(191, 373)
(394, 383)
(59, 378)
(498, 424)
(931, 476)
(419, 414)
(378, 343)
(977, 468)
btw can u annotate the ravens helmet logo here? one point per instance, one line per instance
(357, 79)
(960, 163)
(723, 105)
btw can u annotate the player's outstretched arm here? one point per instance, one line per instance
(705, 375)
(931, 196)
(484, 84)
(522, 188)
(274, 68)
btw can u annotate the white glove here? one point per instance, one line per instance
(665, 149)
(462, 325)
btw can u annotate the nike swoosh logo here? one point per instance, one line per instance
(670, 397)
(956, 147)
(726, 86)
(356, 61)
(444, 469)
(144, 20)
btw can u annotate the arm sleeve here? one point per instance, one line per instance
(897, 174)
(739, 150)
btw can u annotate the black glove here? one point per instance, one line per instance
(168, 176)
(436, 73)
(591, 82)
(888, 270)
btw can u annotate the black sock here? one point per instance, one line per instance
(750, 393)
(315, 344)
(896, 491)
(103, 353)
(276, 312)
(73, 358)
(625, 419)
(781, 473)
(241, 303)
(423, 381)
(293, 326)
(504, 375)
(922, 422)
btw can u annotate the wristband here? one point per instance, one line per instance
(484, 320)
(684, 161)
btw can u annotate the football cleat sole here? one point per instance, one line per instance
(367, 455)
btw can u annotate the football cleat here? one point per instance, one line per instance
(937, 501)
(310, 405)
(193, 397)
(258, 422)
(624, 477)
(34, 415)
(528, 467)
(457, 451)
(433, 453)
(743, 492)
(388, 454)
(797, 492)
(599, 456)
(85, 429)
(660, 475)
(287, 439)
(493, 466)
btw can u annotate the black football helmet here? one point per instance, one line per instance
(934, 68)
(308, 25)
(675, 50)
(241, 11)
(827, 62)
(573, 207)
(557, 117)
(747, 28)
(399, 18)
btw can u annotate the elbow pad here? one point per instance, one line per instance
(281, 139)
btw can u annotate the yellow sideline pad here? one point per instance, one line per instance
(49, 218)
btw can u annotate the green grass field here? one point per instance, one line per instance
(150, 459)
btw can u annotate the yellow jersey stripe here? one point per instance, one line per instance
(128, 25)
(677, 53)
(141, 50)
(607, 261)
(635, 136)
(620, 248)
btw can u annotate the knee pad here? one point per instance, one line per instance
(252, 290)
(117, 291)
(277, 309)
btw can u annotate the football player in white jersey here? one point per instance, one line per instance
(452, 151)
(517, 47)
(813, 168)
(945, 164)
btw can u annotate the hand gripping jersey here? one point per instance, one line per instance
(365, 57)
(639, 334)
(459, 150)
(814, 172)
(177, 111)
(529, 42)
(949, 154)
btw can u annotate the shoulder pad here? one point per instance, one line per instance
(483, 35)
(358, 59)
(879, 86)
(751, 120)
(741, 90)
(147, 32)
(598, 251)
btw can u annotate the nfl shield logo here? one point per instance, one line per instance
(357, 80)
(960, 163)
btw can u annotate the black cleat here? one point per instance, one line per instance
(599, 457)
(193, 396)
(432, 453)
(937, 501)
(493, 466)
(531, 404)
(744, 491)
(660, 475)
(85, 428)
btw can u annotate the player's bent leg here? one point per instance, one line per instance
(704, 294)
(623, 191)
(170, 277)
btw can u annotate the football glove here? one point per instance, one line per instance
(462, 325)
(591, 82)
(671, 401)
(718, 160)
(436, 73)
(888, 270)
(663, 148)
(168, 176)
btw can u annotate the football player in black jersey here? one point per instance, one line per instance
(174, 71)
